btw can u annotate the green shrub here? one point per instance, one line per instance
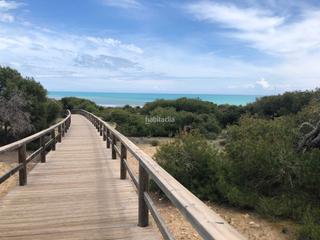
(54, 110)
(193, 162)
(80, 103)
(282, 104)
(310, 230)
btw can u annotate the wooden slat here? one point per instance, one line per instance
(76, 194)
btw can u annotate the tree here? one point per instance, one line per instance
(25, 107)
(14, 120)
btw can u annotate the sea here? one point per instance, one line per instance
(139, 99)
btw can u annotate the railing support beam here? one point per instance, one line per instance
(43, 151)
(60, 132)
(108, 138)
(23, 171)
(123, 170)
(114, 142)
(104, 133)
(53, 136)
(143, 215)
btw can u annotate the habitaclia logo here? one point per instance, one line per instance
(158, 119)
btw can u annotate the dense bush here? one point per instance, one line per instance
(185, 113)
(283, 104)
(182, 104)
(80, 103)
(31, 110)
(193, 162)
(259, 169)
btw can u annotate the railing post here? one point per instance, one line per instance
(65, 126)
(108, 138)
(114, 142)
(143, 215)
(43, 151)
(104, 133)
(100, 128)
(59, 133)
(63, 129)
(53, 136)
(123, 170)
(23, 171)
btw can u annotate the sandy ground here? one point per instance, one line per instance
(253, 226)
(9, 160)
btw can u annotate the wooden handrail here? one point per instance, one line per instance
(207, 223)
(20, 145)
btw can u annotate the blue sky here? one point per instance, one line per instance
(191, 46)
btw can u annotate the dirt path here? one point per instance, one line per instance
(250, 224)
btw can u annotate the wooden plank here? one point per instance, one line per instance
(76, 194)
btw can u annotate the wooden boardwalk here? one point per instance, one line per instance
(76, 194)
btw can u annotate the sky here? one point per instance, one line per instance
(164, 46)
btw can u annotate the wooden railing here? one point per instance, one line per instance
(47, 141)
(206, 222)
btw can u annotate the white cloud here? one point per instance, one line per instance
(292, 40)
(8, 5)
(265, 30)
(5, 8)
(263, 83)
(122, 3)
(5, 17)
(249, 19)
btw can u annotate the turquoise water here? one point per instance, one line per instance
(139, 99)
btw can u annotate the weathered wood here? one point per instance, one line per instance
(59, 134)
(108, 138)
(101, 129)
(123, 156)
(43, 151)
(77, 194)
(63, 130)
(104, 133)
(113, 147)
(53, 136)
(143, 218)
(22, 156)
